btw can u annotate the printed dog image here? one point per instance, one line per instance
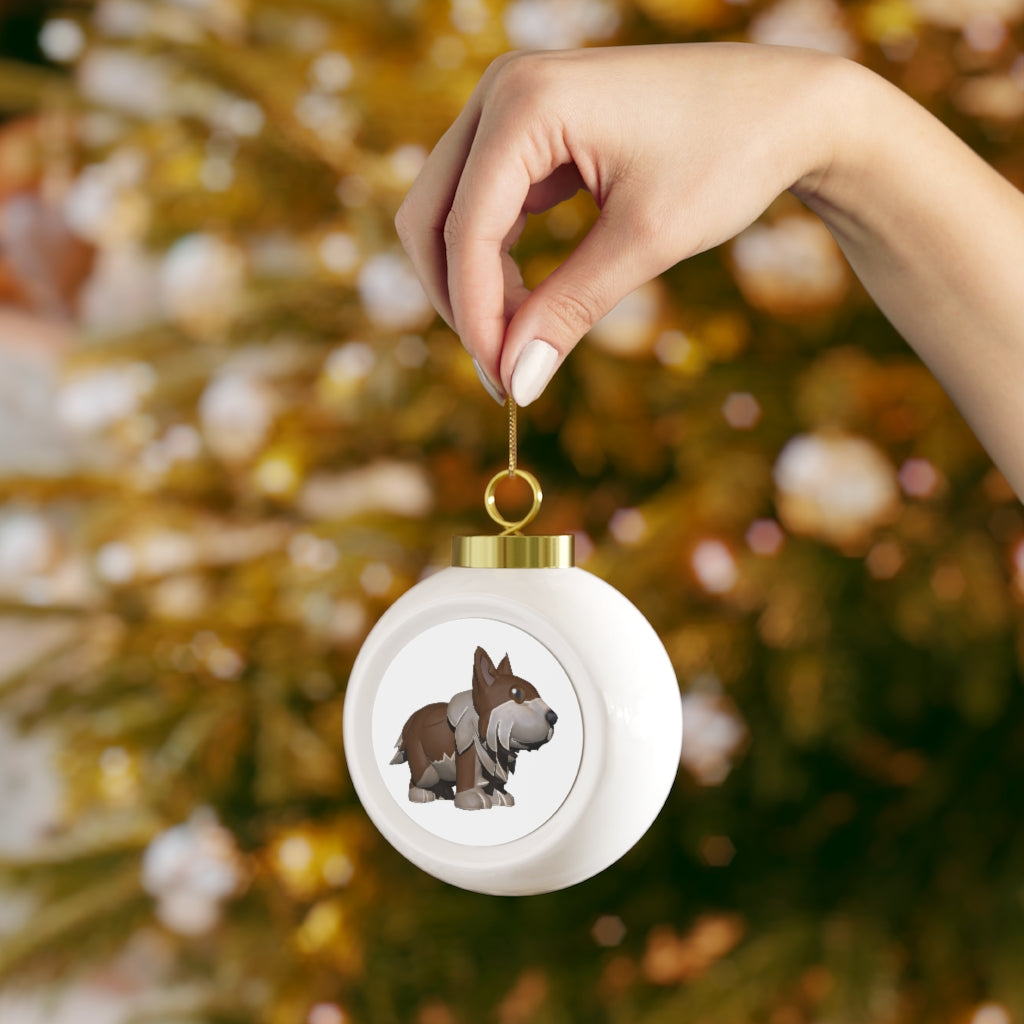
(465, 750)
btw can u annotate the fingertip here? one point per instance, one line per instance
(533, 370)
(532, 351)
(494, 390)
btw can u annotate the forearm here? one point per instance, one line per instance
(937, 238)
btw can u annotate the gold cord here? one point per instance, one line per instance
(490, 501)
(513, 436)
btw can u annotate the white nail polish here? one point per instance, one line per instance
(489, 386)
(534, 369)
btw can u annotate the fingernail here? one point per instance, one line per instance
(534, 369)
(489, 386)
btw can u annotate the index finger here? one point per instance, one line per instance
(421, 218)
(503, 165)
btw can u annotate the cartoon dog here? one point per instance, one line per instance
(466, 749)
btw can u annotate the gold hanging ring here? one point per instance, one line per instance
(491, 503)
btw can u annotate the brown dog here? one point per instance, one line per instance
(466, 749)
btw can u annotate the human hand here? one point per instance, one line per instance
(681, 146)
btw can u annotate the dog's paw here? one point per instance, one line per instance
(500, 799)
(421, 796)
(472, 800)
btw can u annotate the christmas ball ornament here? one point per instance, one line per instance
(512, 723)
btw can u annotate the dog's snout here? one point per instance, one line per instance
(551, 717)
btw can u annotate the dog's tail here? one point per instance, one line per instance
(400, 756)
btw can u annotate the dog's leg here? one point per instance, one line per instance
(422, 790)
(502, 799)
(422, 775)
(469, 792)
(495, 788)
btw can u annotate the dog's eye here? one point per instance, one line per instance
(516, 694)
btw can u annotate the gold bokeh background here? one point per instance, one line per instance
(234, 433)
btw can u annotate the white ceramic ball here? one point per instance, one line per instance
(626, 743)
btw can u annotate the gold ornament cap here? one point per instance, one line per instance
(514, 551)
(510, 549)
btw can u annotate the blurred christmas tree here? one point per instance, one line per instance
(266, 437)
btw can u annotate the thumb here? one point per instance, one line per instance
(607, 265)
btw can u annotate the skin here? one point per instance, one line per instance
(682, 147)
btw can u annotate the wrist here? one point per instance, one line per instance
(882, 164)
(844, 104)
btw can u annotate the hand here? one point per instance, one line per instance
(681, 147)
(684, 146)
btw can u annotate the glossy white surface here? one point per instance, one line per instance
(629, 702)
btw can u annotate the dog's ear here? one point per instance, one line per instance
(483, 668)
(505, 667)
